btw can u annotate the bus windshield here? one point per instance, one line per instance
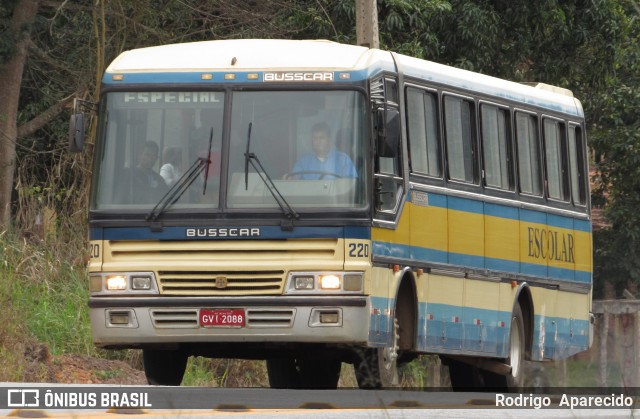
(307, 145)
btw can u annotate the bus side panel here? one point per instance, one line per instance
(502, 238)
(480, 315)
(533, 247)
(429, 239)
(478, 250)
(466, 232)
(562, 329)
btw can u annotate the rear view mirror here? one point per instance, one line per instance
(76, 132)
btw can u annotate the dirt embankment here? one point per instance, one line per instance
(41, 366)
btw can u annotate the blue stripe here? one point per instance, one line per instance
(563, 337)
(501, 211)
(422, 254)
(190, 77)
(507, 212)
(533, 216)
(266, 233)
(466, 205)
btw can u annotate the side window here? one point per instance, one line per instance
(422, 130)
(576, 165)
(555, 157)
(496, 151)
(458, 124)
(528, 145)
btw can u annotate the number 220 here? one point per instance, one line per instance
(359, 250)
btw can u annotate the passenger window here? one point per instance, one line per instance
(422, 127)
(496, 147)
(528, 145)
(576, 165)
(459, 139)
(554, 156)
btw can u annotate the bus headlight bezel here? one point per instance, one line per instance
(345, 282)
(113, 283)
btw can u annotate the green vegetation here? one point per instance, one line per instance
(47, 293)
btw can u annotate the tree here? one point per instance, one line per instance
(52, 51)
(13, 57)
(615, 138)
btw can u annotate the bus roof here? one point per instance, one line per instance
(536, 94)
(242, 55)
(246, 55)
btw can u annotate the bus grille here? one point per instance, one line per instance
(224, 267)
(270, 282)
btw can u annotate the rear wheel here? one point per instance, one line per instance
(463, 376)
(303, 373)
(164, 367)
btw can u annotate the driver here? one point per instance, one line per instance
(324, 161)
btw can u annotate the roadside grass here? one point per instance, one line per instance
(48, 293)
(584, 373)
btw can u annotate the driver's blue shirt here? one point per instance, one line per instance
(335, 164)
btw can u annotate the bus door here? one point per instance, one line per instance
(388, 196)
(389, 179)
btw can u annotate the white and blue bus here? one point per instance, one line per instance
(310, 203)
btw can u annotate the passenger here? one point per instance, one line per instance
(148, 185)
(170, 171)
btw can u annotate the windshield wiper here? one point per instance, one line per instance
(251, 158)
(183, 183)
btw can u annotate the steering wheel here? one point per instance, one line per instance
(305, 172)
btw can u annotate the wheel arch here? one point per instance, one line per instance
(406, 309)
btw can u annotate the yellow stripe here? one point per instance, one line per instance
(481, 235)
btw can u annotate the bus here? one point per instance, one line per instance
(310, 203)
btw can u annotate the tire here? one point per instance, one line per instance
(303, 373)
(378, 367)
(283, 373)
(164, 367)
(464, 377)
(517, 350)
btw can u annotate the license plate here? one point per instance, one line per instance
(222, 317)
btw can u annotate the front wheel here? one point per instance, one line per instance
(303, 373)
(378, 367)
(164, 367)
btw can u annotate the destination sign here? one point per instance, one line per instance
(173, 97)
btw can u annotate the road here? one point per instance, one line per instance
(61, 402)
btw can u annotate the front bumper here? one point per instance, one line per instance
(138, 321)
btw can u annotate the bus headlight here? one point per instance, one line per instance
(116, 283)
(141, 283)
(329, 282)
(304, 282)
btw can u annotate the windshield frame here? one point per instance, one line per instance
(222, 210)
